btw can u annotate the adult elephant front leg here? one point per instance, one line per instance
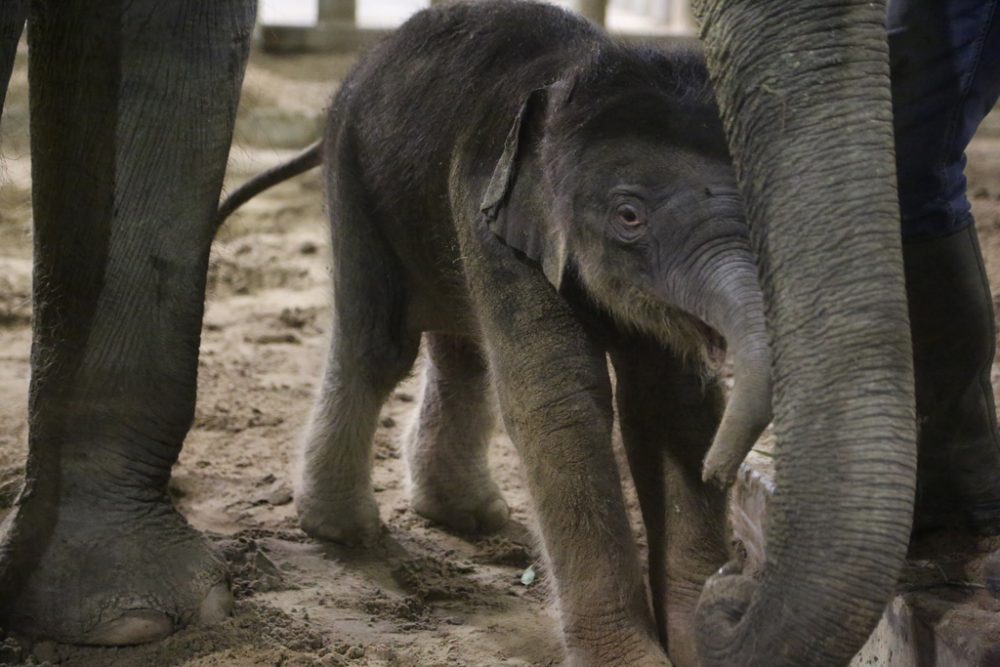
(132, 111)
(555, 397)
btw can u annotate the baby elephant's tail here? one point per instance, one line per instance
(310, 157)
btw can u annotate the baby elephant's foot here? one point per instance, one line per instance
(462, 507)
(350, 519)
(634, 652)
(116, 577)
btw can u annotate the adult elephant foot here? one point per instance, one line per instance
(619, 651)
(115, 576)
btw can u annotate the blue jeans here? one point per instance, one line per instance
(945, 61)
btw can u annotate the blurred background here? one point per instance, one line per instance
(347, 25)
(663, 16)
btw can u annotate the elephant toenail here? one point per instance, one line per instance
(217, 605)
(138, 626)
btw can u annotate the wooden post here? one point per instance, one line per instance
(595, 10)
(336, 30)
(339, 11)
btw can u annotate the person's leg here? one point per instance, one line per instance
(946, 78)
(132, 112)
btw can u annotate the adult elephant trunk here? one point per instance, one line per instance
(803, 88)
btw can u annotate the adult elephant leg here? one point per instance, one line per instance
(132, 111)
(12, 17)
(446, 448)
(555, 398)
(669, 414)
(803, 89)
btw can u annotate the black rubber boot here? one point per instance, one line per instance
(954, 340)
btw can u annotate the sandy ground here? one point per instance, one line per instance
(422, 596)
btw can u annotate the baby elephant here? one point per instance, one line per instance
(531, 197)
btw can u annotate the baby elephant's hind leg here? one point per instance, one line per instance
(446, 447)
(371, 350)
(334, 495)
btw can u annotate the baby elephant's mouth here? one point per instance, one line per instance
(715, 345)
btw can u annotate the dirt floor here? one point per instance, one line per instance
(422, 596)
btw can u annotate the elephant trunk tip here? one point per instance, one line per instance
(747, 414)
(722, 463)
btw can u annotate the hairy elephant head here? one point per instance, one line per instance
(620, 173)
(803, 89)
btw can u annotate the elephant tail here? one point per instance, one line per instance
(309, 158)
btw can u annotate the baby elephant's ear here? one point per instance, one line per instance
(515, 207)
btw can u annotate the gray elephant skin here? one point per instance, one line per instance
(581, 203)
(132, 109)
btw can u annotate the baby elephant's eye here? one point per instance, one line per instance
(630, 215)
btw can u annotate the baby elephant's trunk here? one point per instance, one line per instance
(734, 306)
